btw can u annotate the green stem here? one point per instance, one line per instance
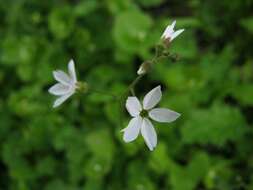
(137, 79)
(104, 93)
(132, 92)
(132, 85)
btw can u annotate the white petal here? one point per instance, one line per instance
(133, 106)
(152, 98)
(62, 99)
(131, 132)
(167, 33)
(149, 134)
(173, 24)
(175, 34)
(169, 30)
(72, 72)
(163, 115)
(141, 70)
(59, 89)
(62, 77)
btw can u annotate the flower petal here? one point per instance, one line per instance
(173, 24)
(72, 72)
(59, 89)
(175, 34)
(62, 77)
(169, 30)
(62, 99)
(133, 106)
(131, 132)
(141, 70)
(163, 115)
(149, 134)
(152, 98)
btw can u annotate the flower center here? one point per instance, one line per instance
(82, 86)
(144, 113)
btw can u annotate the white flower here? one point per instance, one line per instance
(170, 34)
(66, 85)
(140, 122)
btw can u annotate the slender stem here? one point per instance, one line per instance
(131, 86)
(156, 51)
(137, 79)
(132, 91)
(104, 93)
(120, 113)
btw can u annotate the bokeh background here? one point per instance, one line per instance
(79, 146)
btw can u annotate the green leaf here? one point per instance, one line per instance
(191, 174)
(247, 23)
(97, 167)
(100, 140)
(86, 7)
(244, 93)
(58, 184)
(61, 22)
(159, 161)
(132, 36)
(149, 3)
(185, 45)
(118, 6)
(18, 51)
(217, 125)
(137, 176)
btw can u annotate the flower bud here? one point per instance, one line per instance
(166, 42)
(170, 34)
(144, 68)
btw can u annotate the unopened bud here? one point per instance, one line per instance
(144, 68)
(169, 34)
(166, 42)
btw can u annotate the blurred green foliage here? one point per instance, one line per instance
(79, 146)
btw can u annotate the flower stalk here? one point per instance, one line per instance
(142, 113)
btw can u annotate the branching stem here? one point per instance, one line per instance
(159, 53)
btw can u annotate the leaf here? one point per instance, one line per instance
(191, 174)
(138, 180)
(132, 36)
(86, 7)
(149, 3)
(159, 161)
(119, 6)
(61, 22)
(100, 140)
(185, 44)
(97, 167)
(217, 125)
(18, 51)
(247, 23)
(243, 93)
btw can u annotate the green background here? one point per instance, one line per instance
(79, 146)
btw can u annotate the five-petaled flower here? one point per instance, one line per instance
(66, 86)
(169, 34)
(140, 122)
